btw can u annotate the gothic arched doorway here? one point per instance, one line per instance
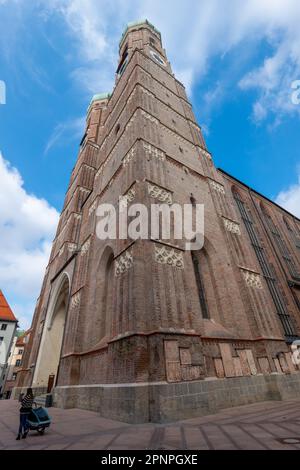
(51, 343)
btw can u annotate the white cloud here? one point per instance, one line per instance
(273, 80)
(91, 32)
(94, 79)
(290, 198)
(85, 20)
(259, 112)
(27, 226)
(66, 131)
(194, 33)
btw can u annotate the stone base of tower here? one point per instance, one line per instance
(163, 402)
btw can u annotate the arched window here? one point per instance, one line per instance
(107, 296)
(200, 284)
(123, 62)
(292, 233)
(266, 268)
(152, 41)
(287, 224)
(193, 200)
(101, 325)
(280, 243)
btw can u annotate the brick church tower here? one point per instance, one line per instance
(143, 330)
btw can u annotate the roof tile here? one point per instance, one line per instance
(5, 310)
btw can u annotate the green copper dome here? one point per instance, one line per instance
(100, 96)
(138, 23)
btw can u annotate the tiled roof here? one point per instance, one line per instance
(5, 310)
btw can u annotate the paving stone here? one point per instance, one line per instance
(254, 426)
(217, 438)
(101, 442)
(195, 439)
(173, 437)
(242, 439)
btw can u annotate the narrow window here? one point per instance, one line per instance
(266, 268)
(83, 140)
(158, 58)
(123, 62)
(193, 200)
(200, 285)
(152, 41)
(281, 245)
(287, 224)
(295, 237)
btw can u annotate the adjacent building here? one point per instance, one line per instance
(8, 325)
(144, 330)
(15, 362)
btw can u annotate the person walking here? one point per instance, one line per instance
(26, 407)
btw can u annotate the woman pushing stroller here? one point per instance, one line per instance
(26, 407)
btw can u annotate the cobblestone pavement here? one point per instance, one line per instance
(268, 425)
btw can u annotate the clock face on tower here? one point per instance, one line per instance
(156, 56)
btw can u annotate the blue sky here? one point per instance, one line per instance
(238, 65)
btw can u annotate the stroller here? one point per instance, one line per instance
(39, 419)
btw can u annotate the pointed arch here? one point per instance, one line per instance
(53, 332)
(104, 295)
